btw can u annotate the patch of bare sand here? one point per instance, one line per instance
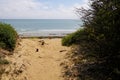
(28, 64)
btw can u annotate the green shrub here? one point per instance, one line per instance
(4, 61)
(8, 36)
(74, 38)
(67, 40)
(100, 50)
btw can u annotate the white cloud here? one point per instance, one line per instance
(32, 9)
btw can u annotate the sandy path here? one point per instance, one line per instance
(41, 65)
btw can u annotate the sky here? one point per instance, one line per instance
(40, 9)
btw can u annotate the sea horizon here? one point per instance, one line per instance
(44, 27)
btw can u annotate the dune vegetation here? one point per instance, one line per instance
(96, 55)
(8, 37)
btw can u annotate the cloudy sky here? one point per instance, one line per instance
(40, 9)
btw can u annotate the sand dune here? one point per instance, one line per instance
(34, 61)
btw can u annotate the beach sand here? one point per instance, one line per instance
(34, 61)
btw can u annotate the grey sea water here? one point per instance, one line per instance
(44, 27)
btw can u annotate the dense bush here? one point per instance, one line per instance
(68, 40)
(8, 36)
(98, 56)
(3, 61)
(74, 38)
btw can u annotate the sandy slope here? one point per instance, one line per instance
(27, 64)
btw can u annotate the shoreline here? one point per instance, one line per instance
(49, 36)
(40, 37)
(45, 34)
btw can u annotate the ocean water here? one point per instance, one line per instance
(44, 27)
